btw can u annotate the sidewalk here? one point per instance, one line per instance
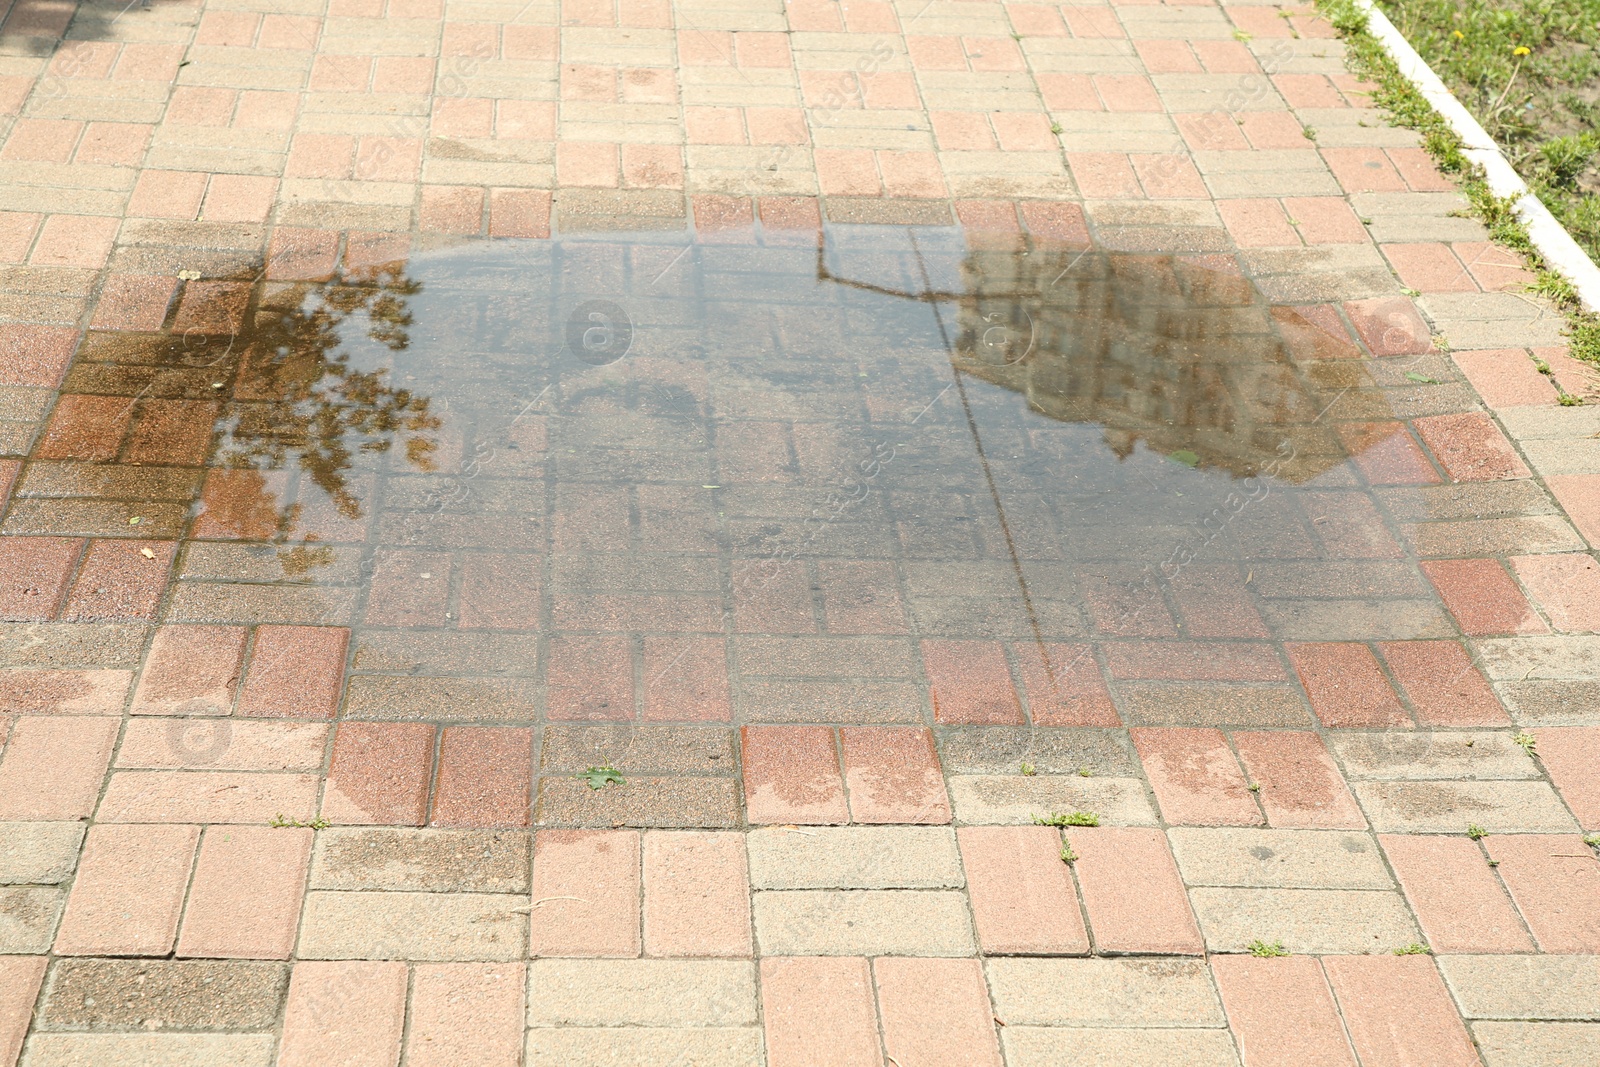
(508, 743)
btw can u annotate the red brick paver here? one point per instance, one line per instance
(1398, 1012)
(1023, 898)
(1132, 892)
(1282, 1012)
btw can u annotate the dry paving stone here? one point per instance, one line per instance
(1052, 1046)
(642, 749)
(662, 803)
(438, 861)
(1103, 992)
(1440, 807)
(1525, 987)
(1522, 1044)
(413, 926)
(1286, 859)
(642, 992)
(854, 857)
(28, 918)
(149, 995)
(1431, 754)
(1305, 920)
(703, 1047)
(148, 1050)
(38, 853)
(863, 923)
(1013, 799)
(1104, 753)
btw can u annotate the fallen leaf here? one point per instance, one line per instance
(147, 554)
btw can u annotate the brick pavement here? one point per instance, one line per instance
(292, 757)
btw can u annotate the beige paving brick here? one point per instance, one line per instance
(222, 744)
(149, 1050)
(713, 1047)
(38, 853)
(1049, 1046)
(412, 926)
(1150, 992)
(668, 994)
(854, 857)
(1525, 987)
(350, 1013)
(436, 861)
(28, 917)
(466, 1013)
(1430, 754)
(863, 923)
(1500, 807)
(1016, 799)
(1305, 920)
(207, 797)
(1290, 859)
(1518, 1044)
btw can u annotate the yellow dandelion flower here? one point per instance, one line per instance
(1520, 50)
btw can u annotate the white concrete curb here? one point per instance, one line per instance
(1554, 243)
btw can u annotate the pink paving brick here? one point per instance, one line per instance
(1325, 220)
(1571, 756)
(686, 680)
(379, 774)
(349, 1012)
(1470, 447)
(1301, 787)
(1273, 130)
(1494, 267)
(20, 979)
(134, 302)
(485, 777)
(1483, 597)
(1257, 223)
(208, 797)
(970, 682)
(1579, 497)
(893, 775)
(1215, 602)
(1442, 683)
(1345, 684)
(1390, 326)
(466, 1013)
(30, 692)
(1430, 267)
(409, 589)
(117, 582)
(1281, 1012)
(1126, 602)
(1505, 377)
(245, 900)
(295, 672)
(1103, 175)
(35, 355)
(936, 1012)
(129, 891)
(1566, 586)
(1398, 1012)
(1196, 779)
(590, 678)
(696, 894)
(1456, 896)
(1193, 661)
(1555, 883)
(1023, 899)
(53, 767)
(791, 775)
(190, 670)
(1064, 686)
(500, 591)
(600, 868)
(1364, 170)
(819, 1010)
(222, 744)
(34, 572)
(1132, 892)
(1168, 176)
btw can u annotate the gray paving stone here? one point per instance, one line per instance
(1493, 537)
(28, 918)
(1431, 754)
(1288, 859)
(1014, 799)
(148, 1050)
(151, 995)
(1545, 657)
(633, 1046)
(1213, 704)
(642, 992)
(1538, 1044)
(1305, 920)
(38, 853)
(682, 802)
(1552, 702)
(1435, 807)
(1525, 987)
(1106, 753)
(821, 922)
(1467, 500)
(438, 861)
(1053, 1046)
(1103, 992)
(854, 857)
(639, 749)
(413, 926)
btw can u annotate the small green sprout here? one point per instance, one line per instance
(1068, 856)
(1476, 832)
(1266, 949)
(1076, 818)
(1527, 743)
(1416, 948)
(1028, 769)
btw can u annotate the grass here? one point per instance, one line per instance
(1474, 46)
(280, 821)
(1266, 949)
(1593, 840)
(1068, 856)
(1076, 818)
(1416, 948)
(1476, 832)
(1527, 742)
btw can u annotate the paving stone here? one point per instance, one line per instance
(1555, 883)
(1376, 991)
(28, 917)
(38, 853)
(936, 1012)
(157, 995)
(20, 978)
(1437, 807)
(1282, 1012)
(222, 744)
(1040, 1046)
(854, 857)
(586, 893)
(1525, 987)
(641, 801)
(150, 1050)
(818, 1010)
(712, 1046)
(696, 894)
(1305, 920)
(1537, 1044)
(207, 797)
(345, 1012)
(1022, 894)
(1287, 859)
(822, 922)
(1196, 778)
(53, 767)
(892, 775)
(1571, 756)
(1431, 754)
(379, 773)
(1301, 787)
(245, 895)
(1456, 895)
(129, 891)
(647, 992)
(1132, 891)
(642, 749)
(1103, 992)
(466, 1013)
(1018, 798)
(435, 861)
(412, 926)
(1061, 750)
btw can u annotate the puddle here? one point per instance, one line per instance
(539, 465)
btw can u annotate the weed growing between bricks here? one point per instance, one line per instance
(1407, 107)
